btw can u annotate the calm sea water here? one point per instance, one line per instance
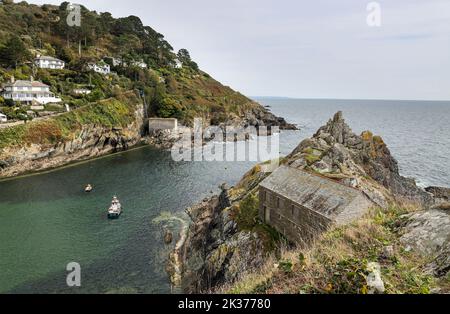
(47, 221)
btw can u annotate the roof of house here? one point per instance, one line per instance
(48, 58)
(315, 192)
(21, 83)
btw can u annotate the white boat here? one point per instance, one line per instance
(88, 188)
(115, 209)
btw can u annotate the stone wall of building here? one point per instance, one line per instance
(297, 223)
(156, 124)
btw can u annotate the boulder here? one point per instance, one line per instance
(428, 233)
(375, 284)
(439, 192)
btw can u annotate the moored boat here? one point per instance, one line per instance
(115, 210)
(88, 188)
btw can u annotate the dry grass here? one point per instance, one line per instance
(337, 262)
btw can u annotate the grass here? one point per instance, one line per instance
(337, 262)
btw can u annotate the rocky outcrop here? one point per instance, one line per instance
(216, 251)
(363, 161)
(260, 116)
(428, 233)
(440, 193)
(91, 141)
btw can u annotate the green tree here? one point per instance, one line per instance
(14, 52)
(185, 58)
(50, 50)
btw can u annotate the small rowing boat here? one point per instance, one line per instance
(115, 210)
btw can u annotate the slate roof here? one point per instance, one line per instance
(21, 83)
(48, 58)
(315, 192)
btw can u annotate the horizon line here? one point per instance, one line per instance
(327, 98)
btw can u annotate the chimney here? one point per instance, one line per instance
(13, 79)
(31, 78)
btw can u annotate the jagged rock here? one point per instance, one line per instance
(441, 206)
(168, 237)
(214, 252)
(439, 192)
(358, 156)
(428, 233)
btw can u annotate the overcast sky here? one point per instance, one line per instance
(307, 49)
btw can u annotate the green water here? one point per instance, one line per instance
(47, 221)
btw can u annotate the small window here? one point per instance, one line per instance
(278, 202)
(263, 195)
(292, 210)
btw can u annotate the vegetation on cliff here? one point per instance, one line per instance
(337, 262)
(110, 113)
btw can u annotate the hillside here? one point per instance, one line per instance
(146, 74)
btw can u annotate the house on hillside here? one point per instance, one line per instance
(81, 91)
(140, 64)
(29, 91)
(46, 62)
(302, 205)
(3, 118)
(115, 61)
(120, 62)
(101, 67)
(178, 64)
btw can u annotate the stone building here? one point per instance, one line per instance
(302, 205)
(157, 124)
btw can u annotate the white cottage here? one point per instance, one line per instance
(101, 67)
(178, 64)
(46, 62)
(81, 91)
(140, 64)
(29, 91)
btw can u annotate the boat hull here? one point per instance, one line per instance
(114, 215)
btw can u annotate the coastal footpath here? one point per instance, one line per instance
(402, 242)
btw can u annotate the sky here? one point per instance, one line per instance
(307, 49)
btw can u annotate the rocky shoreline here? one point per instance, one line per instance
(219, 247)
(93, 141)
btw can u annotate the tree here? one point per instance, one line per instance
(185, 58)
(13, 52)
(49, 49)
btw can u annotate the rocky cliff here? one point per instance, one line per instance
(92, 140)
(225, 240)
(361, 160)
